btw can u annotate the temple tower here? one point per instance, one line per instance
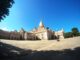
(41, 25)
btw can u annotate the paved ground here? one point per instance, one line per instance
(69, 43)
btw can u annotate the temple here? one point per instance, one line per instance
(40, 33)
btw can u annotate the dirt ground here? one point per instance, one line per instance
(68, 43)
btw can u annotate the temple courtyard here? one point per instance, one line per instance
(69, 43)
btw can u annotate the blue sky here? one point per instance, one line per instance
(55, 14)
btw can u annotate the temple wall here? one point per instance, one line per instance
(59, 34)
(42, 35)
(4, 34)
(15, 35)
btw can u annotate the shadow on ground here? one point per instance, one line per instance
(8, 52)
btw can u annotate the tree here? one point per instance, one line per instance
(75, 31)
(47, 28)
(68, 34)
(4, 8)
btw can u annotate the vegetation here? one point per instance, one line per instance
(74, 32)
(67, 34)
(4, 8)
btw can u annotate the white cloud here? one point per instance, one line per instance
(5, 28)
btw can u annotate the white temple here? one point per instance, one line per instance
(40, 33)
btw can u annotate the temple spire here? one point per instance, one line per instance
(41, 24)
